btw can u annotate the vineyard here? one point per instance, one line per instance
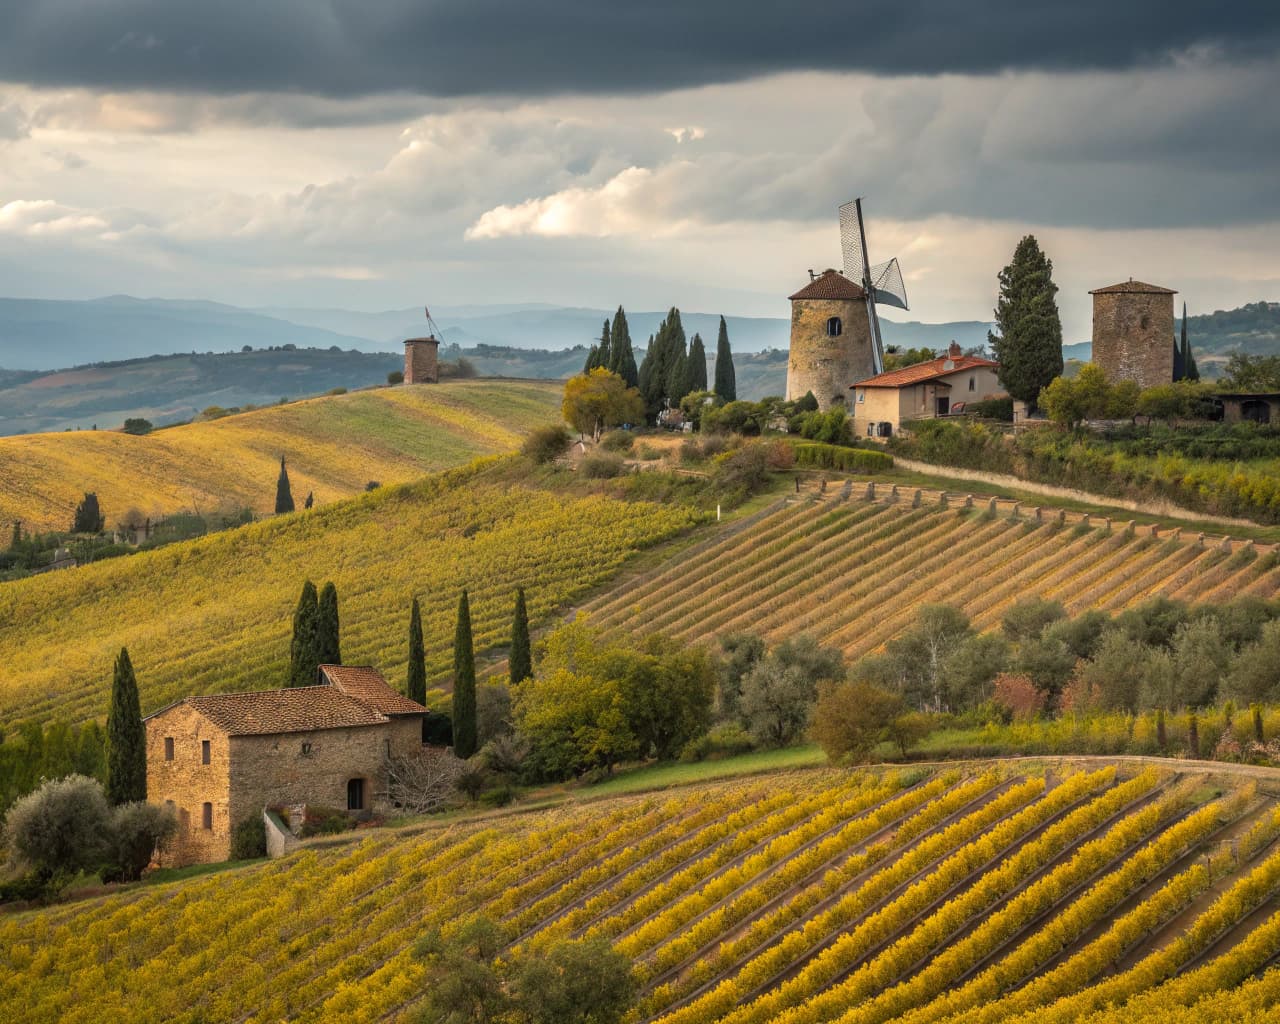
(334, 446)
(851, 573)
(214, 614)
(980, 894)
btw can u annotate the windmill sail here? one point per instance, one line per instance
(882, 282)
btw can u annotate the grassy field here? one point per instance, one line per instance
(334, 446)
(984, 893)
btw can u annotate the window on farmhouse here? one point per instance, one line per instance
(306, 749)
(834, 327)
(204, 751)
(973, 384)
(168, 748)
(206, 815)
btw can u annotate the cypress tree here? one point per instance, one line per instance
(1189, 369)
(417, 683)
(303, 658)
(1029, 345)
(678, 377)
(622, 359)
(16, 540)
(126, 737)
(328, 644)
(464, 683)
(593, 359)
(606, 352)
(88, 516)
(520, 663)
(311, 499)
(284, 496)
(697, 379)
(726, 379)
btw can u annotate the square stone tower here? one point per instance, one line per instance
(831, 345)
(420, 360)
(1133, 332)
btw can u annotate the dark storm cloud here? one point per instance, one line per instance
(461, 47)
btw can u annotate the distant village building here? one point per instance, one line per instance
(937, 387)
(421, 360)
(831, 344)
(220, 759)
(1262, 407)
(1133, 332)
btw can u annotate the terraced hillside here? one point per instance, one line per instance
(986, 894)
(334, 446)
(851, 572)
(214, 614)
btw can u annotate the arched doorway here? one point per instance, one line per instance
(355, 795)
(1256, 409)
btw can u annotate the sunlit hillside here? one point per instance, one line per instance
(214, 614)
(980, 894)
(334, 447)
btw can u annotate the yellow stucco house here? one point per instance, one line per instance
(937, 387)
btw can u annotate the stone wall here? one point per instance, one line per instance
(420, 361)
(822, 364)
(188, 784)
(1133, 336)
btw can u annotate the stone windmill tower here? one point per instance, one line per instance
(835, 332)
(421, 356)
(1133, 332)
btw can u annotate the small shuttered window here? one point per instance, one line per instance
(206, 815)
(204, 751)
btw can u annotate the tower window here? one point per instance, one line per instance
(834, 327)
(168, 748)
(206, 815)
(204, 751)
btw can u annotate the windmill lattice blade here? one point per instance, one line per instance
(890, 289)
(851, 243)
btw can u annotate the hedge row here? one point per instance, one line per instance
(852, 460)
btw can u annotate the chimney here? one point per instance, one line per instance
(954, 351)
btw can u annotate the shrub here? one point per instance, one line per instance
(137, 831)
(647, 453)
(851, 718)
(1017, 695)
(395, 377)
(61, 828)
(691, 451)
(249, 838)
(336, 391)
(603, 466)
(137, 425)
(849, 460)
(546, 443)
(992, 409)
(324, 821)
(728, 740)
(618, 441)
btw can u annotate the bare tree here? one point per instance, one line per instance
(423, 782)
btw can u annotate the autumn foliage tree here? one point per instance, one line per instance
(595, 401)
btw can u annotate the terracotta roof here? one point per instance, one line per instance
(1133, 286)
(919, 372)
(830, 285)
(299, 709)
(366, 685)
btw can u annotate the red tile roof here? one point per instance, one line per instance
(366, 685)
(830, 285)
(1133, 286)
(919, 372)
(299, 709)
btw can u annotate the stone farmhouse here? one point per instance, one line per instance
(222, 758)
(937, 387)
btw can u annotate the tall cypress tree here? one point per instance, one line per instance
(726, 379)
(464, 682)
(284, 496)
(417, 683)
(697, 379)
(593, 359)
(1189, 369)
(678, 377)
(126, 737)
(328, 645)
(520, 663)
(1029, 345)
(606, 351)
(303, 657)
(622, 359)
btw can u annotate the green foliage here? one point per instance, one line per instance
(1251, 373)
(249, 838)
(493, 711)
(137, 831)
(852, 718)
(602, 466)
(736, 417)
(303, 654)
(61, 828)
(1029, 343)
(126, 737)
(1029, 618)
(896, 358)
(726, 386)
(655, 379)
(848, 460)
(395, 377)
(622, 359)
(544, 444)
(520, 661)
(573, 982)
(832, 427)
(618, 441)
(920, 654)
(137, 425)
(284, 496)
(328, 644)
(464, 683)
(779, 691)
(416, 680)
(992, 409)
(697, 378)
(88, 517)
(971, 667)
(741, 653)
(598, 400)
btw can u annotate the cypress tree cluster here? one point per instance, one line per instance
(1184, 363)
(726, 380)
(315, 634)
(697, 379)
(670, 371)
(88, 516)
(520, 664)
(328, 646)
(464, 683)
(126, 737)
(622, 359)
(416, 687)
(284, 496)
(1029, 345)
(601, 353)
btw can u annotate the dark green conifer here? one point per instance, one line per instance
(726, 380)
(464, 683)
(697, 379)
(520, 663)
(417, 682)
(284, 496)
(605, 359)
(622, 359)
(328, 643)
(126, 737)
(88, 516)
(303, 658)
(1189, 369)
(16, 540)
(1029, 345)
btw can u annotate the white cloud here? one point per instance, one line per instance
(36, 218)
(690, 133)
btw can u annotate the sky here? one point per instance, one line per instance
(376, 154)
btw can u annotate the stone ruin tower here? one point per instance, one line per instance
(1133, 332)
(831, 344)
(420, 360)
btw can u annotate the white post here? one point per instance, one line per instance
(717, 513)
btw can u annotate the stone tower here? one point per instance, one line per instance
(1133, 332)
(831, 343)
(420, 360)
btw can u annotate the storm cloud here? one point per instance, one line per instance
(346, 48)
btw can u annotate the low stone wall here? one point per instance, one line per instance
(280, 841)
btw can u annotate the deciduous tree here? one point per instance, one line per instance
(598, 400)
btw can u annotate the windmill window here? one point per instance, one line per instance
(834, 327)
(206, 816)
(204, 751)
(168, 748)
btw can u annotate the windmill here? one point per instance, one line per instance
(882, 282)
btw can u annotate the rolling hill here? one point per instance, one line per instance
(976, 894)
(334, 446)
